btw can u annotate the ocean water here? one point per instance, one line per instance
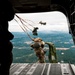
(23, 53)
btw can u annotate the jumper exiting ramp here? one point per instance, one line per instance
(42, 69)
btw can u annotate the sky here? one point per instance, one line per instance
(55, 21)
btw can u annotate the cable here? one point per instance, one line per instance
(24, 20)
(24, 30)
(34, 31)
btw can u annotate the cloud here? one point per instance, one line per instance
(56, 21)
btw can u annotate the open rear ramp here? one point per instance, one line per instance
(42, 69)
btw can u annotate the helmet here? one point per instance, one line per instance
(36, 45)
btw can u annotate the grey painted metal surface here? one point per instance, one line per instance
(42, 69)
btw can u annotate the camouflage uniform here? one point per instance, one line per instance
(38, 47)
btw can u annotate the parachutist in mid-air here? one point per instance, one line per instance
(42, 23)
(35, 31)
